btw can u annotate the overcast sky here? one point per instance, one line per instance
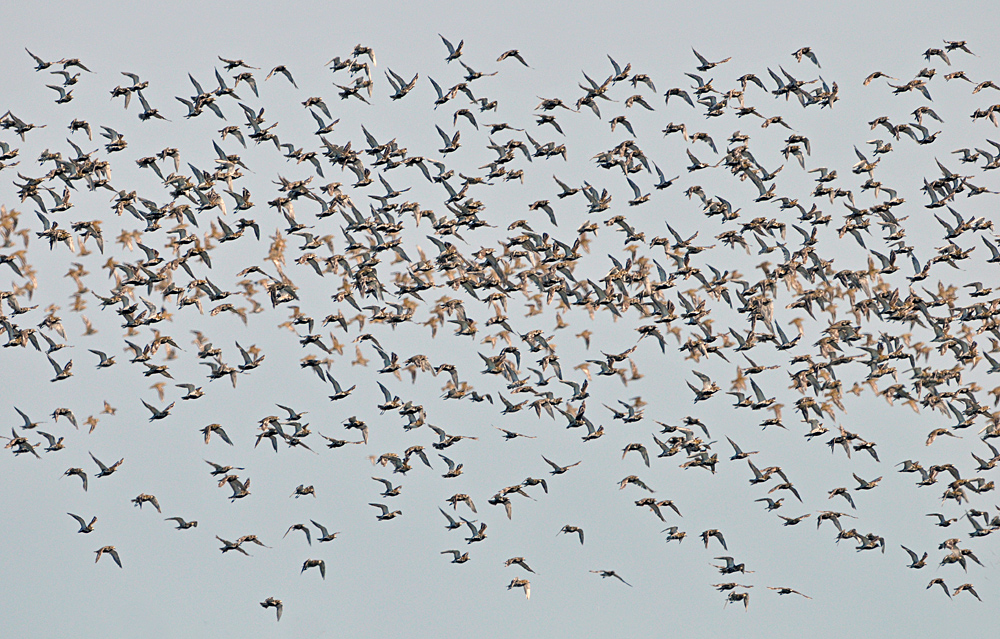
(390, 576)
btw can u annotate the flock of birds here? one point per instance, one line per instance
(366, 243)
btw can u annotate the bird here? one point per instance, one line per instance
(791, 521)
(478, 533)
(966, 588)
(739, 596)
(41, 64)
(228, 546)
(218, 430)
(109, 550)
(219, 469)
(105, 470)
(568, 529)
(325, 535)
(452, 524)
(240, 489)
(877, 74)
(866, 485)
(28, 424)
(144, 498)
(285, 72)
(512, 53)
(916, 562)
(54, 444)
(509, 434)
(62, 372)
(182, 524)
(729, 586)
(707, 389)
(772, 504)
(738, 453)
(731, 566)
(843, 493)
(312, 563)
(557, 469)
(454, 52)
(79, 473)
(632, 479)
(277, 604)
(462, 497)
(518, 561)
(640, 448)
(611, 573)
(454, 470)
(705, 64)
(84, 526)
(105, 360)
(302, 490)
(158, 413)
(531, 481)
(827, 515)
(712, 532)
(303, 528)
(805, 52)
(781, 590)
(386, 513)
(939, 582)
(521, 583)
(942, 521)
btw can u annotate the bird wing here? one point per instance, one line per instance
(98, 462)
(635, 188)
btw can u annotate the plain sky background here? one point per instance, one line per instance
(390, 576)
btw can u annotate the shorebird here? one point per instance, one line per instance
(84, 526)
(277, 604)
(109, 550)
(611, 573)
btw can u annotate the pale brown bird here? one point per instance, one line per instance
(521, 583)
(519, 561)
(79, 473)
(556, 468)
(513, 53)
(568, 529)
(109, 550)
(712, 532)
(277, 604)
(314, 563)
(285, 72)
(634, 480)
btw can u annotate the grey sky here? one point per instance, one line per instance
(390, 576)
